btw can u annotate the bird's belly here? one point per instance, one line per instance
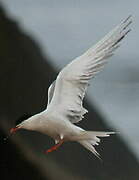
(58, 129)
(50, 130)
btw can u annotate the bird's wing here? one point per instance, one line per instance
(50, 92)
(72, 81)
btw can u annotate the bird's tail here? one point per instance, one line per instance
(91, 138)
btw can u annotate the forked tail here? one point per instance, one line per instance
(91, 138)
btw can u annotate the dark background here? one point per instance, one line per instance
(25, 75)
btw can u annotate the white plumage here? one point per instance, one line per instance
(66, 94)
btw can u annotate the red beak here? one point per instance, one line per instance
(13, 130)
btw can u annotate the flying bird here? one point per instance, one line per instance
(66, 94)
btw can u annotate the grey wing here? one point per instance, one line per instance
(73, 80)
(51, 92)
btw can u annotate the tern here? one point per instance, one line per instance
(66, 94)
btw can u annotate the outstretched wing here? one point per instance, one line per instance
(72, 81)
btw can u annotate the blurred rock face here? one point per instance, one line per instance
(22, 93)
(24, 73)
(24, 77)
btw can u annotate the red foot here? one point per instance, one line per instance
(53, 148)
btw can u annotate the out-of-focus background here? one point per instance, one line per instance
(37, 38)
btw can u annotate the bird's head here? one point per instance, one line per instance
(26, 124)
(23, 123)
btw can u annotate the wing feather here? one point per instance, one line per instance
(50, 92)
(73, 80)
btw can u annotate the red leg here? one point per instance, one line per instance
(55, 147)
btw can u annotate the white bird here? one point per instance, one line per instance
(66, 94)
